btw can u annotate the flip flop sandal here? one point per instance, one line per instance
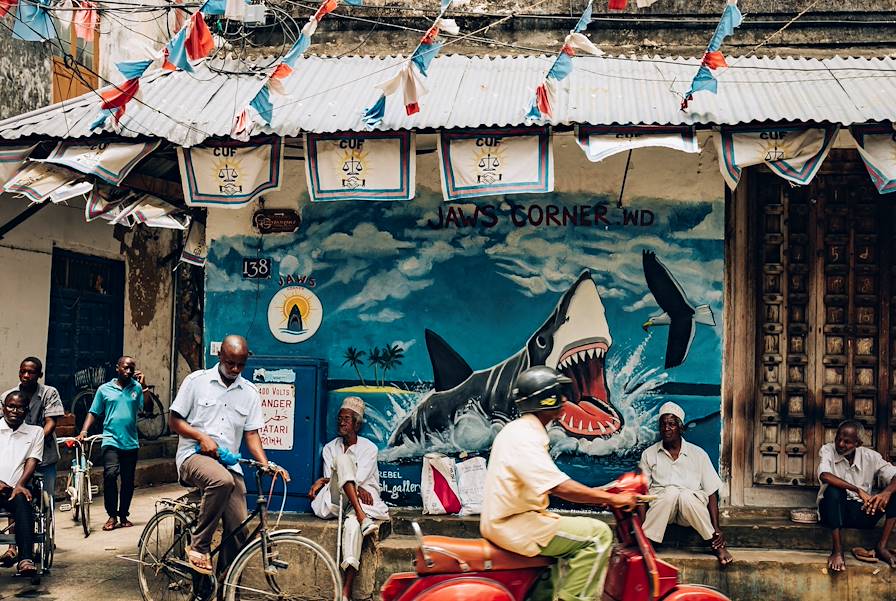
(8, 559)
(125, 524)
(26, 568)
(192, 556)
(862, 554)
(110, 524)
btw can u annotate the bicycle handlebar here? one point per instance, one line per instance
(71, 441)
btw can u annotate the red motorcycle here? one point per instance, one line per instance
(458, 569)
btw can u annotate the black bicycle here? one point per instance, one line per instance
(275, 564)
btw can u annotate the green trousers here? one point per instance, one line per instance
(582, 546)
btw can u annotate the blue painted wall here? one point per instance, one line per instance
(386, 272)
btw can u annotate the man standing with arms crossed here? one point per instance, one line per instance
(44, 406)
(217, 408)
(117, 402)
(521, 475)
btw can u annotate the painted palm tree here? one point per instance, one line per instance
(392, 356)
(375, 358)
(355, 357)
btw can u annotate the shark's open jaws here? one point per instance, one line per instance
(574, 339)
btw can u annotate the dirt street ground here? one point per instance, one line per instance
(89, 569)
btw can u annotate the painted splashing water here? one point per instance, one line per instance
(632, 387)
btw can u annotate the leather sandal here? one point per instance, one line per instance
(200, 562)
(125, 523)
(8, 559)
(26, 568)
(110, 524)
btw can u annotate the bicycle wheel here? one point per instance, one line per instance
(84, 502)
(80, 407)
(164, 573)
(299, 569)
(48, 547)
(151, 425)
(73, 495)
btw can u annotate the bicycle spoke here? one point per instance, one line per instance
(160, 552)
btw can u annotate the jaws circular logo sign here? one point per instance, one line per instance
(295, 314)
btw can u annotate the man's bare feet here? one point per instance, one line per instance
(836, 563)
(724, 556)
(886, 556)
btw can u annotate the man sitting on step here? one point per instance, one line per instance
(847, 471)
(352, 478)
(685, 483)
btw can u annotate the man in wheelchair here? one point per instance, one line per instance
(21, 447)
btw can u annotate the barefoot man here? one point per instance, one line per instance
(847, 471)
(685, 483)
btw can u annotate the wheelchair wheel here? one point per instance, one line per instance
(47, 548)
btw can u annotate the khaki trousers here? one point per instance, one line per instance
(679, 506)
(223, 500)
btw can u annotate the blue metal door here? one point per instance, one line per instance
(292, 396)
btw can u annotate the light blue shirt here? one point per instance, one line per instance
(223, 412)
(119, 407)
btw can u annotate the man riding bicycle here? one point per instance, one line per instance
(520, 477)
(214, 410)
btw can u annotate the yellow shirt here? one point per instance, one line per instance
(520, 475)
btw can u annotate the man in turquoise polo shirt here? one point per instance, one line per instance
(117, 403)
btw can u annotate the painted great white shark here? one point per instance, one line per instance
(575, 339)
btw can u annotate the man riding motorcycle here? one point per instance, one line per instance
(521, 475)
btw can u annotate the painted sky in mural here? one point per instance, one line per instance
(478, 302)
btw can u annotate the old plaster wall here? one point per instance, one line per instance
(25, 267)
(25, 75)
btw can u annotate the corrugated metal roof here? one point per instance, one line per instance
(329, 94)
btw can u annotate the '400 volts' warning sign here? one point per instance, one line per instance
(278, 404)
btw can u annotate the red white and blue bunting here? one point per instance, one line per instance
(411, 78)
(39, 182)
(261, 107)
(877, 146)
(542, 105)
(489, 162)
(713, 58)
(129, 208)
(230, 174)
(794, 153)
(600, 142)
(371, 166)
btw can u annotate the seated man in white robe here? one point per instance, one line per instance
(685, 483)
(351, 477)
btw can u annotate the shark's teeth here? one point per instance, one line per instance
(603, 429)
(581, 425)
(590, 429)
(582, 356)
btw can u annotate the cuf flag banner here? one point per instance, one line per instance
(195, 250)
(794, 153)
(11, 158)
(109, 161)
(486, 162)
(600, 142)
(230, 174)
(369, 166)
(877, 145)
(38, 182)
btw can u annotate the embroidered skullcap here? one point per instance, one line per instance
(672, 409)
(355, 404)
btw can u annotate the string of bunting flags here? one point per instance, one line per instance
(713, 58)
(877, 146)
(411, 77)
(546, 92)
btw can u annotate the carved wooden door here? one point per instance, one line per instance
(828, 257)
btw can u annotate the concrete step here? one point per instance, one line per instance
(769, 530)
(150, 472)
(165, 446)
(756, 574)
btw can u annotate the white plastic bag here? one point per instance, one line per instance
(438, 485)
(471, 484)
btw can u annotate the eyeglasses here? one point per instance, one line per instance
(14, 409)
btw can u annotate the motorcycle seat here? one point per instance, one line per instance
(448, 555)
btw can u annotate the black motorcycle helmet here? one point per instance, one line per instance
(539, 389)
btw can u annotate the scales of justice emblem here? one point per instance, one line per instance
(488, 166)
(354, 167)
(229, 176)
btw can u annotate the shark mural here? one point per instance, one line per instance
(429, 315)
(574, 339)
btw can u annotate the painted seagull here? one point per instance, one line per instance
(678, 313)
(574, 339)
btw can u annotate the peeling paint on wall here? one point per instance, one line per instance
(25, 76)
(143, 249)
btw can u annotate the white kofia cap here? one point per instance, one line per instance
(672, 409)
(354, 403)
